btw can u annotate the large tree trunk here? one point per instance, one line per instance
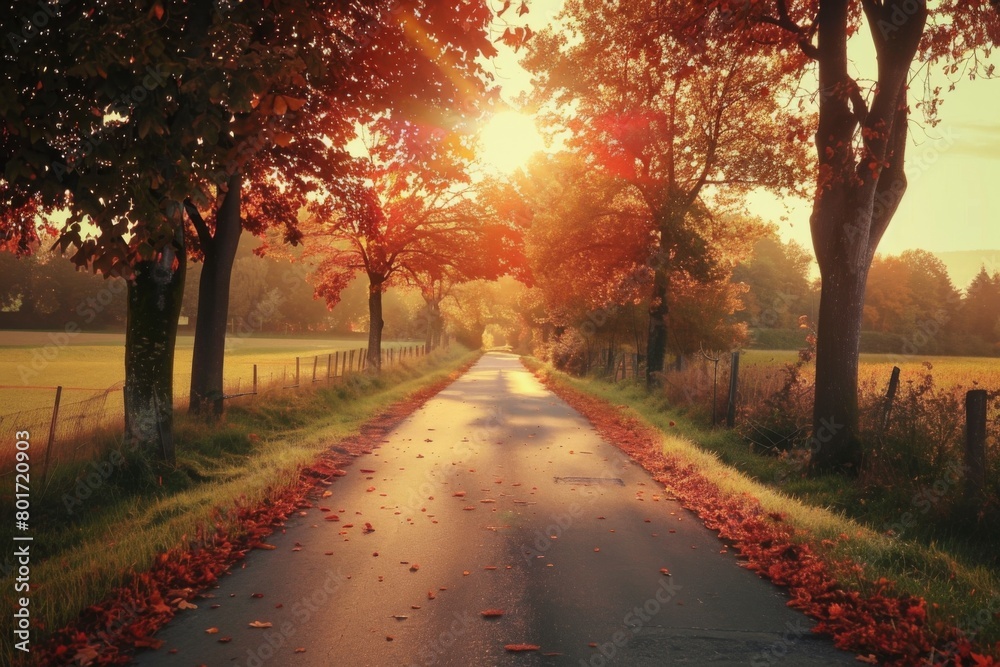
(208, 360)
(835, 445)
(656, 341)
(855, 201)
(154, 306)
(376, 323)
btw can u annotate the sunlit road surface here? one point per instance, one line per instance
(495, 495)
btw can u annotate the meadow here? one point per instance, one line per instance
(33, 364)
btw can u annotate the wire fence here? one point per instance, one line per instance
(65, 432)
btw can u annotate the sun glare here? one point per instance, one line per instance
(508, 140)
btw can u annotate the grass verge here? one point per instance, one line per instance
(98, 525)
(960, 592)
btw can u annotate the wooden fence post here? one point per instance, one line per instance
(315, 362)
(351, 366)
(975, 444)
(255, 378)
(890, 396)
(336, 362)
(734, 372)
(52, 430)
(329, 365)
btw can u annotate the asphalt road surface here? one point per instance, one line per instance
(495, 495)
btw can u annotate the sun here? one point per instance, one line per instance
(507, 141)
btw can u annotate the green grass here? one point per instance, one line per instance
(952, 569)
(33, 363)
(78, 558)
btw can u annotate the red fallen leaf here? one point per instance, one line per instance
(260, 624)
(389, 638)
(664, 571)
(431, 595)
(201, 562)
(592, 644)
(85, 656)
(332, 517)
(414, 567)
(257, 595)
(300, 650)
(487, 500)
(224, 640)
(490, 567)
(491, 613)
(596, 549)
(414, 606)
(338, 472)
(469, 508)
(367, 470)
(368, 528)
(265, 547)
(148, 642)
(517, 648)
(458, 494)
(212, 631)
(370, 489)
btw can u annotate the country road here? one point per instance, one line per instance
(495, 495)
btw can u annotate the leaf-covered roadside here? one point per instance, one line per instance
(883, 627)
(107, 632)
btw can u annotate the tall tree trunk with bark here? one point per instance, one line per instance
(208, 361)
(154, 307)
(857, 195)
(376, 323)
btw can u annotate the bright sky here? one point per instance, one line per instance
(953, 199)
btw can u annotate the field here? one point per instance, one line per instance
(32, 364)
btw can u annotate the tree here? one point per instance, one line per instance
(394, 220)
(861, 137)
(212, 91)
(777, 278)
(911, 295)
(668, 110)
(981, 308)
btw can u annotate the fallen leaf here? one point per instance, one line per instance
(225, 640)
(517, 648)
(260, 624)
(491, 613)
(414, 567)
(300, 650)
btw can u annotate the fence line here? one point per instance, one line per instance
(70, 425)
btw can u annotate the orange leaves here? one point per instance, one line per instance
(885, 627)
(260, 624)
(491, 613)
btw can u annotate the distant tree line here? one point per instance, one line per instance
(911, 305)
